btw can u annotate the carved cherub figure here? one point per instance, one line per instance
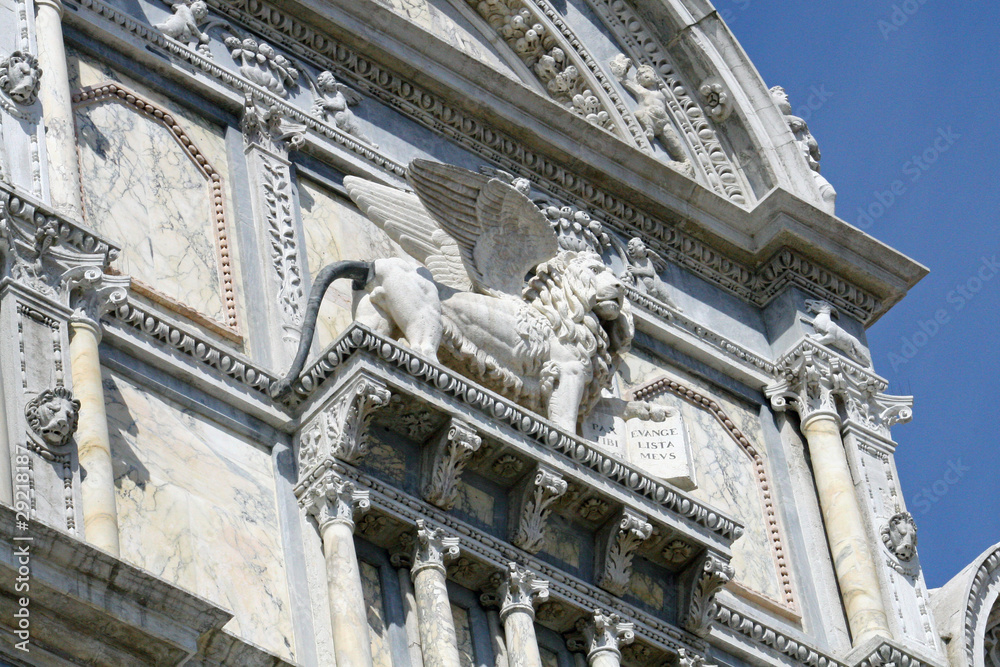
(653, 113)
(833, 335)
(20, 77)
(332, 103)
(644, 271)
(183, 25)
(806, 142)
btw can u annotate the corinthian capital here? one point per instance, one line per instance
(604, 633)
(332, 499)
(813, 381)
(434, 547)
(520, 589)
(91, 293)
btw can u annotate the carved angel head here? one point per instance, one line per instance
(645, 76)
(199, 10)
(637, 249)
(21, 77)
(52, 415)
(780, 98)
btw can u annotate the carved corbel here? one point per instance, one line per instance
(530, 503)
(601, 633)
(333, 499)
(433, 548)
(617, 544)
(445, 459)
(340, 430)
(91, 293)
(700, 583)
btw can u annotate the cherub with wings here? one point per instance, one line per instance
(495, 297)
(332, 102)
(644, 272)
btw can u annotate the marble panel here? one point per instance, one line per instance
(375, 609)
(143, 190)
(549, 658)
(196, 506)
(445, 23)
(562, 541)
(385, 459)
(647, 588)
(335, 230)
(463, 632)
(726, 474)
(475, 502)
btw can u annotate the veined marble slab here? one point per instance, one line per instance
(196, 506)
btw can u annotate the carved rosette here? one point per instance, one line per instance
(602, 633)
(333, 499)
(534, 501)
(520, 590)
(620, 543)
(433, 548)
(340, 430)
(814, 381)
(445, 459)
(704, 582)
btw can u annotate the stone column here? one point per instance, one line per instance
(813, 383)
(92, 295)
(334, 502)
(438, 641)
(518, 592)
(603, 636)
(57, 109)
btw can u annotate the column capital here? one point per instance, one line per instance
(54, 4)
(604, 632)
(520, 589)
(333, 499)
(433, 548)
(817, 383)
(91, 294)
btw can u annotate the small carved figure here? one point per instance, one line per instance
(333, 101)
(806, 142)
(644, 272)
(21, 77)
(52, 416)
(653, 113)
(183, 25)
(833, 335)
(900, 536)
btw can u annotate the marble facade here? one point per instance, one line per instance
(420, 490)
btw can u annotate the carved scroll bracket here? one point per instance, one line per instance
(340, 429)
(531, 502)
(445, 459)
(700, 583)
(617, 545)
(91, 294)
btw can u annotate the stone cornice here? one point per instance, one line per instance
(532, 136)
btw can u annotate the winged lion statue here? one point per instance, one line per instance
(493, 295)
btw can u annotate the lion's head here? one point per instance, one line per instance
(20, 77)
(900, 536)
(585, 304)
(52, 415)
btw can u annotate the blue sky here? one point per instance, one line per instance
(910, 135)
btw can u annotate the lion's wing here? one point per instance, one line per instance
(501, 234)
(407, 222)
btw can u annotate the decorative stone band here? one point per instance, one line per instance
(758, 286)
(810, 379)
(495, 553)
(358, 338)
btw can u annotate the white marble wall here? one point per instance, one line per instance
(196, 506)
(144, 191)
(725, 473)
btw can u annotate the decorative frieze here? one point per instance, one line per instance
(261, 64)
(445, 459)
(616, 548)
(531, 503)
(340, 429)
(702, 582)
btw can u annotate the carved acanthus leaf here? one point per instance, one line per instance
(445, 458)
(602, 632)
(433, 548)
(703, 580)
(520, 589)
(532, 501)
(333, 499)
(618, 545)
